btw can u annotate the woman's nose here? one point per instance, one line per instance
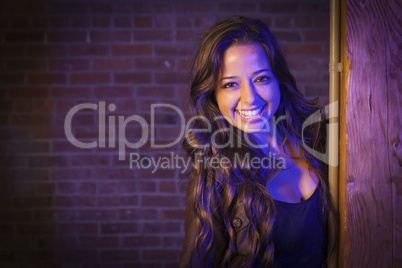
(248, 93)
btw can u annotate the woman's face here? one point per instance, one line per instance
(247, 92)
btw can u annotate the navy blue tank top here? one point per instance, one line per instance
(298, 233)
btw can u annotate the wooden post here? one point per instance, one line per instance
(372, 143)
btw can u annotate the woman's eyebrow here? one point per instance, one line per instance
(254, 73)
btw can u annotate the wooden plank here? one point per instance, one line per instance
(343, 95)
(373, 178)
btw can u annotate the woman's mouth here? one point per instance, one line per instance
(251, 114)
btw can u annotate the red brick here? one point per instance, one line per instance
(80, 255)
(89, 78)
(107, 188)
(278, 7)
(111, 8)
(48, 161)
(101, 22)
(161, 201)
(25, 37)
(302, 22)
(171, 50)
(146, 187)
(16, 216)
(122, 22)
(89, 50)
(160, 91)
(59, 242)
(11, 51)
(111, 64)
(140, 241)
(119, 228)
(117, 201)
(300, 49)
(162, 21)
(32, 202)
(29, 92)
(71, 92)
(183, 22)
(133, 77)
(67, 36)
(165, 186)
(142, 21)
(138, 214)
(287, 36)
(236, 7)
(110, 36)
(46, 50)
(36, 229)
(86, 188)
(131, 50)
(204, 22)
(47, 78)
(39, 22)
(320, 8)
(80, 22)
(173, 214)
(89, 160)
(71, 174)
(154, 35)
(26, 65)
(28, 8)
(162, 8)
(172, 241)
(119, 255)
(187, 35)
(12, 79)
(96, 215)
(78, 228)
(316, 35)
(160, 254)
(67, 8)
(141, 8)
(172, 77)
(69, 64)
(74, 201)
(99, 242)
(127, 187)
(45, 188)
(282, 22)
(191, 7)
(66, 187)
(114, 173)
(321, 22)
(154, 64)
(113, 92)
(48, 132)
(44, 106)
(59, 22)
(31, 119)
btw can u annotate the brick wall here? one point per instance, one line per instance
(63, 206)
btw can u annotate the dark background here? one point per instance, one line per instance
(62, 206)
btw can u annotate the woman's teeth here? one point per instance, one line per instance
(251, 114)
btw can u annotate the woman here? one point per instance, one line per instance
(247, 107)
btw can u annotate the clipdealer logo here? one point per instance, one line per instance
(108, 138)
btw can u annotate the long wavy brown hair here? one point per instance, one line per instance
(220, 189)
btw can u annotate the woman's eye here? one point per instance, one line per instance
(262, 79)
(229, 85)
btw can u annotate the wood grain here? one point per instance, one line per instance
(373, 122)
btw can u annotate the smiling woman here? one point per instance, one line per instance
(248, 93)
(252, 215)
